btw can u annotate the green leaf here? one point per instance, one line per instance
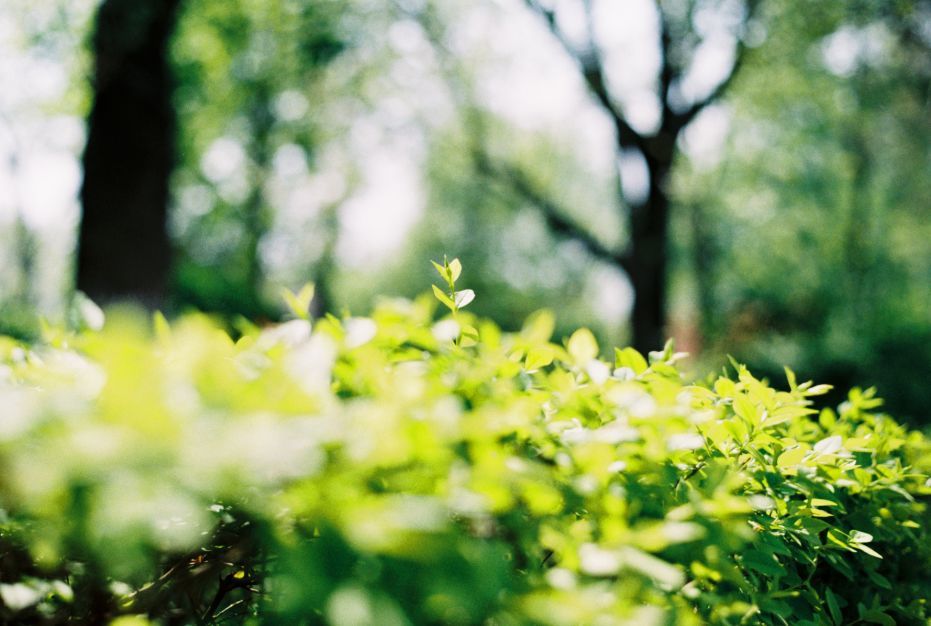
(745, 408)
(441, 270)
(455, 269)
(878, 579)
(833, 607)
(778, 607)
(725, 387)
(827, 418)
(161, 325)
(582, 346)
(866, 550)
(665, 354)
(838, 539)
(464, 297)
(538, 357)
(299, 303)
(819, 390)
(787, 413)
(539, 326)
(763, 563)
(829, 445)
(875, 616)
(629, 357)
(469, 336)
(442, 297)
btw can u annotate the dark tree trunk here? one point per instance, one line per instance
(647, 260)
(123, 246)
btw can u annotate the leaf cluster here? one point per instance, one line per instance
(421, 466)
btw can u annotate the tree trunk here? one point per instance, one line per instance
(123, 246)
(647, 260)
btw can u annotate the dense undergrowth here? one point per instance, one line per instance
(423, 467)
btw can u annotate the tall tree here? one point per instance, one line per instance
(646, 258)
(123, 247)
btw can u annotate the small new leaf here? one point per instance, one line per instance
(582, 346)
(299, 303)
(442, 297)
(538, 357)
(455, 269)
(161, 325)
(464, 297)
(629, 357)
(441, 270)
(818, 390)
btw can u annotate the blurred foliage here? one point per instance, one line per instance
(810, 237)
(249, 89)
(44, 41)
(424, 467)
(804, 241)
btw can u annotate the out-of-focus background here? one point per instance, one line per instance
(751, 177)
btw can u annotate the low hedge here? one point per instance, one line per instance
(421, 468)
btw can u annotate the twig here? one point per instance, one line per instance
(556, 217)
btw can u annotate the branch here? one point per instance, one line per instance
(516, 180)
(450, 69)
(668, 71)
(555, 216)
(591, 65)
(225, 585)
(680, 120)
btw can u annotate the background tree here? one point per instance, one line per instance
(646, 257)
(637, 239)
(519, 254)
(123, 245)
(809, 237)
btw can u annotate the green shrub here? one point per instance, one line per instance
(410, 468)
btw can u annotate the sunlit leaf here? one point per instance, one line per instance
(582, 346)
(464, 297)
(455, 269)
(443, 298)
(628, 357)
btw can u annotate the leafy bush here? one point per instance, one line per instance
(410, 469)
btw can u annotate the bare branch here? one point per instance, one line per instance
(668, 70)
(555, 216)
(549, 16)
(680, 120)
(591, 65)
(513, 178)
(454, 77)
